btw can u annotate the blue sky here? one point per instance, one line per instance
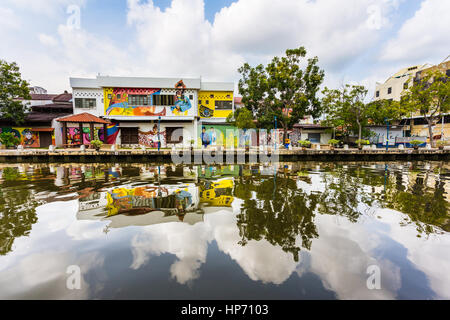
(357, 41)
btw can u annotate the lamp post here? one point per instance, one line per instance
(159, 140)
(276, 133)
(387, 133)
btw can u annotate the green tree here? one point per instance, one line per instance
(282, 89)
(430, 97)
(381, 110)
(242, 118)
(346, 108)
(12, 88)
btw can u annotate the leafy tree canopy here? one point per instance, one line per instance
(282, 89)
(12, 88)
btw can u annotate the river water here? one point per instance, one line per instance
(287, 231)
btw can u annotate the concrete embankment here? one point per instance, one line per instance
(228, 156)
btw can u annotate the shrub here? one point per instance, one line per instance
(96, 144)
(363, 142)
(304, 143)
(8, 139)
(333, 142)
(416, 142)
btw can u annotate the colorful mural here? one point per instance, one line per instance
(217, 104)
(28, 138)
(112, 131)
(150, 138)
(218, 135)
(74, 136)
(139, 102)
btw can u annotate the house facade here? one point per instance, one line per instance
(143, 111)
(394, 86)
(40, 128)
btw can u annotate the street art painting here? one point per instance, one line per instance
(218, 135)
(75, 137)
(215, 104)
(27, 137)
(182, 102)
(112, 131)
(150, 138)
(150, 102)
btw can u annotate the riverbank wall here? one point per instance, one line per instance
(225, 157)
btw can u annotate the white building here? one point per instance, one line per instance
(393, 87)
(147, 110)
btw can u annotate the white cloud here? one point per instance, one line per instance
(8, 19)
(424, 37)
(179, 41)
(47, 40)
(45, 7)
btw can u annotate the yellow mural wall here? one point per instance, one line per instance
(207, 103)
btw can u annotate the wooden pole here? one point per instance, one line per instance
(64, 133)
(92, 131)
(105, 133)
(81, 133)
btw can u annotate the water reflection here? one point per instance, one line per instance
(324, 223)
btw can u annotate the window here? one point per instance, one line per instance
(211, 96)
(405, 85)
(389, 90)
(129, 135)
(314, 137)
(191, 97)
(377, 94)
(163, 100)
(118, 96)
(84, 103)
(420, 121)
(199, 102)
(138, 100)
(223, 105)
(174, 134)
(207, 102)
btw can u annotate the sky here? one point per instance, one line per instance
(356, 41)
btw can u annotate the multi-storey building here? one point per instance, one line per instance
(393, 87)
(147, 110)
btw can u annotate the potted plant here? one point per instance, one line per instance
(416, 144)
(333, 143)
(97, 144)
(361, 143)
(247, 145)
(9, 140)
(192, 145)
(441, 144)
(305, 144)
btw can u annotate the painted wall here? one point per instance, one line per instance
(148, 133)
(28, 138)
(207, 104)
(74, 136)
(117, 102)
(218, 135)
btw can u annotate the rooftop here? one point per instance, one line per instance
(84, 118)
(147, 82)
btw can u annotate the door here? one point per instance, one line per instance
(129, 135)
(45, 139)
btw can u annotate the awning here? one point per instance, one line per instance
(42, 129)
